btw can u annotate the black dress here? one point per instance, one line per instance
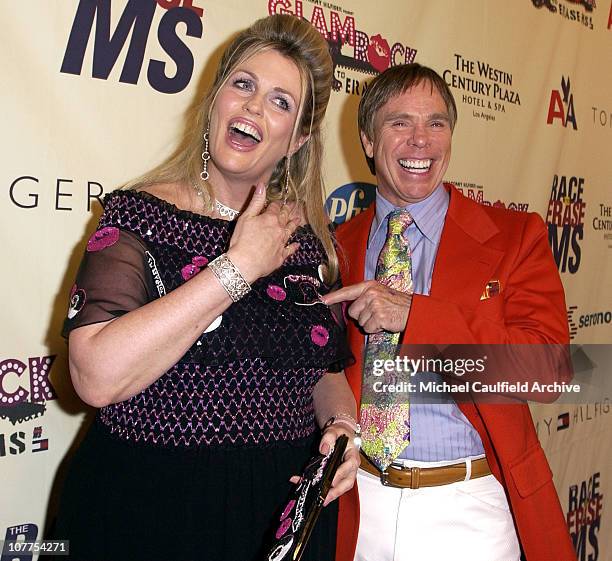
(196, 466)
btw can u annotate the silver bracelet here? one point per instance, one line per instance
(346, 419)
(229, 277)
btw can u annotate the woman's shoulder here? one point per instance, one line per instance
(136, 210)
(159, 198)
(173, 194)
(156, 212)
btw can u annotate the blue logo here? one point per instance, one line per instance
(349, 200)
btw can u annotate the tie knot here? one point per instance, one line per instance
(399, 220)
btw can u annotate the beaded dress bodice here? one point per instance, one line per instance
(248, 379)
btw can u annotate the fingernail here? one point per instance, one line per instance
(260, 188)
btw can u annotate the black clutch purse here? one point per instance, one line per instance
(305, 503)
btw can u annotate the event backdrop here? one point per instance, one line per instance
(95, 93)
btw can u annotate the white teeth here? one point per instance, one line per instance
(416, 164)
(247, 129)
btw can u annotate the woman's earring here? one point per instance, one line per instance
(204, 175)
(286, 184)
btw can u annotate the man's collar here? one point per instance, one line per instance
(424, 213)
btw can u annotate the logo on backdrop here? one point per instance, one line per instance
(598, 318)
(561, 105)
(565, 219)
(349, 200)
(489, 90)
(603, 223)
(566, 9)
(353, 51)
(556, 426)
(602, 118)
(573, 326)
(28, 191)
(21, 442)
(477, 193)
(135, 24)
(584, 509)
(547, 427)
(24, 390)
(23, 532)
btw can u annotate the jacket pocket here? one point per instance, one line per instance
(531, 471)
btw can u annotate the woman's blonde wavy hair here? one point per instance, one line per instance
(303, 44)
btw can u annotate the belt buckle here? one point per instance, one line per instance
(384, 478)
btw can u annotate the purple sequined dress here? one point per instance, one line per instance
(196, 466)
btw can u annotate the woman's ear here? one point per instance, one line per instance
(297, 144)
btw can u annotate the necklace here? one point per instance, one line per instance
(223, 210)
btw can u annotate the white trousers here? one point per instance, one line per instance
(465, 521)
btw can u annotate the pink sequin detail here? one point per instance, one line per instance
(103, 238)
(288, 509)
(282, 529)
(191, 270)
(319, 335)
(276, 292)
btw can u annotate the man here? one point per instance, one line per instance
(494, 281)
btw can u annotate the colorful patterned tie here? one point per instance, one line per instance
(385, 416)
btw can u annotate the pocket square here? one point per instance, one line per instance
(493, 288)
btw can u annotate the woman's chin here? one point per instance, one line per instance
(243, 170)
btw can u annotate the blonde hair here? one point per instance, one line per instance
(300, 42)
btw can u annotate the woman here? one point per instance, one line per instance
(202, 337)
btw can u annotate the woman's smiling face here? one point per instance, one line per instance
(253, 118)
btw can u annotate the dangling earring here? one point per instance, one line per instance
(204, 175)
(286, 184)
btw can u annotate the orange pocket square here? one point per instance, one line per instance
(493, 288)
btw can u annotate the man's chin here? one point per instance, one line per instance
(413, 193)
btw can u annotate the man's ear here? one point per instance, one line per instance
(368, 145)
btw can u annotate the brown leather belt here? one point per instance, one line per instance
(415, 477)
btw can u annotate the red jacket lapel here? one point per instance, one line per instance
(463, 266)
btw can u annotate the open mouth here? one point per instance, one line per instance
(416, 166)
(243, 133)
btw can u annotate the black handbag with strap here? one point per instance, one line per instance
(305, 503)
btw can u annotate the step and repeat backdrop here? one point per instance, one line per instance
(95, 93)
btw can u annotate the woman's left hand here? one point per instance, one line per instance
(347, 472)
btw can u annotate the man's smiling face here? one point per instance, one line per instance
(411, 145)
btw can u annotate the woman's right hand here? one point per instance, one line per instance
(259, 243)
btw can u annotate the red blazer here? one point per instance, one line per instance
(479, 244)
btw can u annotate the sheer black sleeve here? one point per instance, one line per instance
(113, 279)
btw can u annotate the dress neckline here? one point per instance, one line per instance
(168, 206)
(185, 214)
